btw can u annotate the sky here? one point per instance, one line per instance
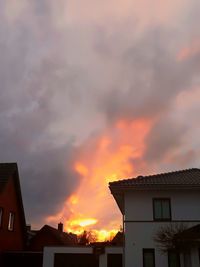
(94, 91)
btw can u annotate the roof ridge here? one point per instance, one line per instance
(180, 177)
(7, 163)
(54, 229)
(7, 169)
(165, 173)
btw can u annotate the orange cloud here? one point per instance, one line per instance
(189, 51)
(107, 158)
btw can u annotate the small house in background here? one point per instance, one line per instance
(49, 236)
(118, 239)
(161, 201)
(12, 218)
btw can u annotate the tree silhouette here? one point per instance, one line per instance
(86, 238)
(167, 239)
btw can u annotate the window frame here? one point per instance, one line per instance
(151, 250)
(154, 212)
(1, 217)
(11, 221)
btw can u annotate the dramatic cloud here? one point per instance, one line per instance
(73, 72)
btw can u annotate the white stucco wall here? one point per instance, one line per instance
(138, 235)
(184, 205)
(109, 250)
(49, 252)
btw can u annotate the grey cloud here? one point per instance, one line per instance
(48, 179)
(29, 84)
(151, 78)
(165, 136)
(71, 76)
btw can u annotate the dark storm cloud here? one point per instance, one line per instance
(48, 179)
(29, 80)
(46, 168)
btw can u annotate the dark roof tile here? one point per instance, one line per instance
(182, 177)
(62, 237)
(6, 171)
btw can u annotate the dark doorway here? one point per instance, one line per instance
(75, 260)
(114, 260)
(21, 259)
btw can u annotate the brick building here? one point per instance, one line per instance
(12, 219)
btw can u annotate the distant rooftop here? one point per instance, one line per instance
(188, 177)
(9, 172)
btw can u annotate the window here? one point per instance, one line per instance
(114, 260)
(1, 217)
(11, 221)
(161, 209)
(173, 259)
(199, 255)
(148, 258)
(187, 258)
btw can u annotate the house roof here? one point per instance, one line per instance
(6, 171)
(60, 238)
(118, 239)
(188, 177)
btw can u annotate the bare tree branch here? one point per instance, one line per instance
(165, 237)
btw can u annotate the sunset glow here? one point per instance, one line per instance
(189, 51)
(109, 158)
(92, 92)
(102, 235)
(83, 222)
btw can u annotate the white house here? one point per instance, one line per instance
(87, 256)
(151, 202)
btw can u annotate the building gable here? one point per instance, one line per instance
(12, 230)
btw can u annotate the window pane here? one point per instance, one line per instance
(162, 210)
(166, 209)
(1, 216)
(157, 209)
(11, 221)
(173, 259)
(148, 258)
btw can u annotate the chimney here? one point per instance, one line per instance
(60, 227)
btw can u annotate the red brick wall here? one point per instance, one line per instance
(10, 240)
